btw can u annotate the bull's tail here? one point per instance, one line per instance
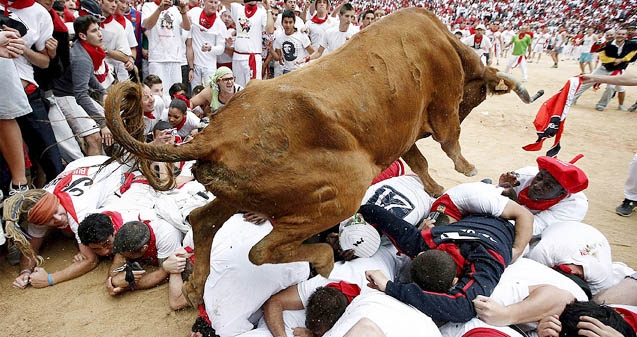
(124, 118)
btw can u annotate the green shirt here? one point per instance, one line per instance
(520, 46)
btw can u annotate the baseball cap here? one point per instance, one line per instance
(92, 8)
(481, 26)
(356, 234)
(571, 177)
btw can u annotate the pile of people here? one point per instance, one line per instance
(457, 265)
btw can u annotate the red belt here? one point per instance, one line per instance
(252, 63)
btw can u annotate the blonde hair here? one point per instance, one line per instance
(15, 213)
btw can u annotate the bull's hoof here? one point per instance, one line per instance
(192, 293)
(324, 270)
(434, 190)
(471, 173)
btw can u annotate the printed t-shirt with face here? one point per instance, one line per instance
(292, 48)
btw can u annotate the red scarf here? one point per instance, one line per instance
(250, 10)
(477, 40)
(207, 21)
(97, 55)
(68, 15)
(150, 257)
(183, 98)
(181, 124)
(64, 197)
(18, 4)
(129, 179)
(521, 36)
(540, 205)
(116, 220)
(318, 21)
(445, 205)
(149, 115)
(349, 290)
(120, 19)
(108, 20)
(58, 24)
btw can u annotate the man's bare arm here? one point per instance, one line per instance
(287, 299)
(523, 226)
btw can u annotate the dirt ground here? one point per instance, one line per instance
(491, 138)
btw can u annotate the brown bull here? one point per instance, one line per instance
(304, 147)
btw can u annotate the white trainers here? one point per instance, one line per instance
(21, 188)
(622, 107)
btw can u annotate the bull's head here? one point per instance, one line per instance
(517, 87)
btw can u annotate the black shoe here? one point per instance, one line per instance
(626, 208)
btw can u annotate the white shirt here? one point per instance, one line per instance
(115, 38)
(292, 48)
(334, 38)
(236, 288)
(482, 48)
(316, 31)
(478, 198)
(164, 39)
(249, 30)
(215, 37)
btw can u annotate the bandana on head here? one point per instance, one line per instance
(44, 209)
(221, 71)
(349, 290)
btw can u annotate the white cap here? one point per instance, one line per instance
(481, 26)
(358, 235)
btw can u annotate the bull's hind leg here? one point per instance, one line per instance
(205, 221)
(284, 244)
(418, 163)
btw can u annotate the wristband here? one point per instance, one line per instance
(50, 280)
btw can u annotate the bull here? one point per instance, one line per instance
(303, 148)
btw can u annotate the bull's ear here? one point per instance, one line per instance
(501, 86)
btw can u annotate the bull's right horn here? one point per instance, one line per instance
(520, 90)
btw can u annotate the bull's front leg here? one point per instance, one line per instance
(453, 151)
(418, 163)
(284, 245)
(205, 222)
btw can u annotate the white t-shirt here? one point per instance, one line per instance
(316, 30)
(236, 288)
(40, 29)
(164, 39)
(292, 48)
(115, 38)
(580, 244)
(571, 208)
(334, 38)
(298, 23)
(249, 30)
(192, 123)
(215, 37)
(404, 196)
(353, 272)
(480, 49)
(88, 189)
(394, 318)
(588, 42)
(168, 238)
(478, 198)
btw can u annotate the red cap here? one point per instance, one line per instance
(572, 178)
(484, 332)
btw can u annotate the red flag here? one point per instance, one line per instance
(549, 121)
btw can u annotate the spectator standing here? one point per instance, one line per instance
(291, 46)
(207, 40)
(320, 22)
(163, 23)
(586, 56)
(520, 44)
(480, 44)
(336, 36)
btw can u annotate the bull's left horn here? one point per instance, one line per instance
(520, 90)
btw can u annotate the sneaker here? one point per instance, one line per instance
(554, 66)
(599, 108)
(621, 107)
(15, 189)
(633, 108)
(626, 208)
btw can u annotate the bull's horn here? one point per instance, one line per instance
(520, 90)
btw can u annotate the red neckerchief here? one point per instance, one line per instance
(207, 21)
(445, 205)
(318, 21)
(183, 98)
(116, 220)
(58, 24)
(477, 40)
(250, 10)
(540, 205)
(65, 198)
(108, 20)
(349, 290)
(129, 179)
(149, 115)
(18, 4)
(182, 123)
(97, 54)
(157, 2)
(150, 257)
(68, 15)
(521, 36)
(120, 19)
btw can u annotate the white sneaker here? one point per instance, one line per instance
(622, 107)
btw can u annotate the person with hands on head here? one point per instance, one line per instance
(158, 244)
(451, 265)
